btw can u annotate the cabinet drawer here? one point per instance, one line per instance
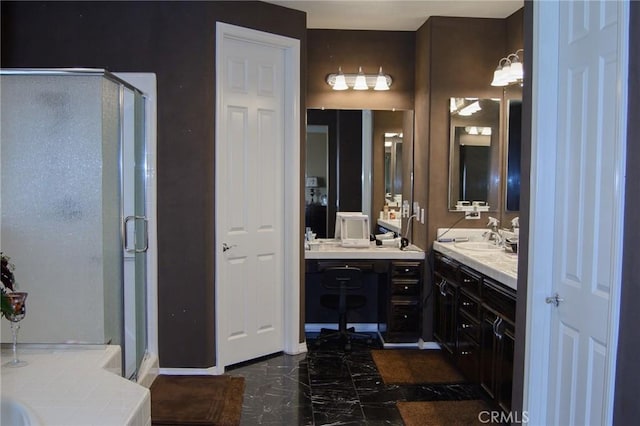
(446, 267)
(499, 299)
(470, 281)
(468, 304)
(411, 270)
(469, 326)
(405, 287)
(405, 316)
(469, 358)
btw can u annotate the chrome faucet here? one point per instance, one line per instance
(494, 232)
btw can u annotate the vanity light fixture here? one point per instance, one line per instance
(470, 109)
(359, 81)
(475, 130)
(509, 70)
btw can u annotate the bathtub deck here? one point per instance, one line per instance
(76, 387)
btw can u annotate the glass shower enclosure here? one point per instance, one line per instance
(73, 179)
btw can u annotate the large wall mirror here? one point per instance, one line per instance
(513, 142)
(474, 164)
(356, 160)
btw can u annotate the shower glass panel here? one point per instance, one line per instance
(134, 200)
(61, 204)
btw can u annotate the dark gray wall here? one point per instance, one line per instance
(175, 40)
(627, 409)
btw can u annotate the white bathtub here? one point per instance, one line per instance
(72, 386)
(14, 413)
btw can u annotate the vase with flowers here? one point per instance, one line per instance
(12, 305)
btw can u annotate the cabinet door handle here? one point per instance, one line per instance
(465, 353)
(465, 325)
(406, 287)
(467, 280)
(443, 285)
(496, 325)
(466, 304)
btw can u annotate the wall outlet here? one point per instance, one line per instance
(472, 215)
(416, 208)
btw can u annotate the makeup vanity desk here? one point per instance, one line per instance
(392, 283)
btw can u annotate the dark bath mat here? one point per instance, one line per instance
(196, 400)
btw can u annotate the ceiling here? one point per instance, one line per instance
(393, 15)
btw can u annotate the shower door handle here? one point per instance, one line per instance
(135, 248)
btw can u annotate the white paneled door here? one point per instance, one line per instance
(583, 232)
(250, 199)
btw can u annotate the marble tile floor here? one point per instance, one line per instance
(328, 386)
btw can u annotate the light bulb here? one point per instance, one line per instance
(340, 83)
(361, 81)
(381, 81)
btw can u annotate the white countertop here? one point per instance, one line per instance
(330, 249)
(72, 386)
(499, 265)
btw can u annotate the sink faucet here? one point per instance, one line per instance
(494, 232)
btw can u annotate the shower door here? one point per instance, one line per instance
(135, 229)
(73, 176)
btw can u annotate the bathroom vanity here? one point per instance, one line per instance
(475, 305)
(392, 284)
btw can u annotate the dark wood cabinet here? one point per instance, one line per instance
(498, 337)
(404, 303)
(445, 304)
(475, 326)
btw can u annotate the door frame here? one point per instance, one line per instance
(544, 138)
(292, 186)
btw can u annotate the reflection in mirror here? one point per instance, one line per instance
(514, 131)
(474, 165)
(317, 179)
(355, 164)
(393, 168)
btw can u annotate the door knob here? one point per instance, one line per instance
(554, 300)
(226, 247)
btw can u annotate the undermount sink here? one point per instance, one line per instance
(478, 246)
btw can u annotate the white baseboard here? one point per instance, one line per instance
(302, 348)
(428, 345)
(210, 371)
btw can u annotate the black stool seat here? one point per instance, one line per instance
(341, 281)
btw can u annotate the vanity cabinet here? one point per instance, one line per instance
(475, 326)
(498, 339)
(445, 303)
(404, 304)
(468, 323)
